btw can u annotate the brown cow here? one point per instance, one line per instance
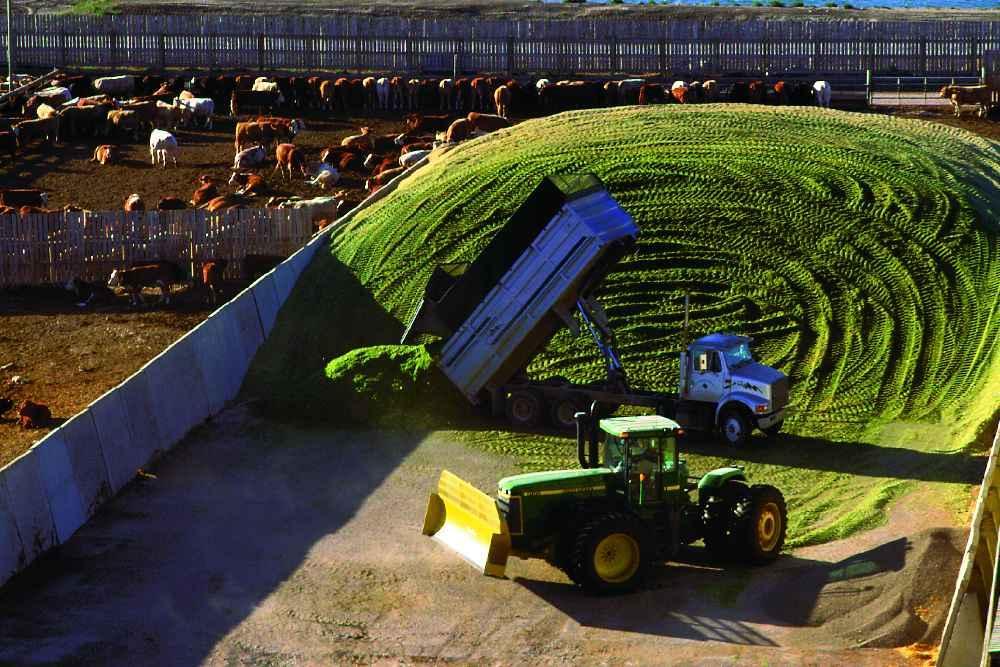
(171, 204)
(959, 96)
(160, 274)
(106, 154)
(28, 131)
(226, 202)
(290, 157)
(133, 203)
(33, 415)
(459, 130)
(416, 122)
(251, 185)
(17, 197)
(205, 193)
(327, 94)
(375, 182)
(123, 122)
(361, 142)
(502, 97)
(211, 278)
(485, 122)
(480, 94)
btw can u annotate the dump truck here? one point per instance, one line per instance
(537, 276)
(630, 504)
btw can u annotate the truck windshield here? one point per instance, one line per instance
(738, 355)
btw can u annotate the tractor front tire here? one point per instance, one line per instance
(611, 554)
(735, 426)
(763, 528)
(524, 408)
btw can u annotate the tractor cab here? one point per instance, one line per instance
(643, 451)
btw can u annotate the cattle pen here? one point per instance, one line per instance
(56, 247)
(515, 46)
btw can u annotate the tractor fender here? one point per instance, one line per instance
(743, 399)
(718, 477)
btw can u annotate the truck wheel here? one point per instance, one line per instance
(735, 427)
(773, 429)
(611, 554)
(764, 525)
(562, 412)
(524, 408)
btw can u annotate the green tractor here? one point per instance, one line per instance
(607, 522)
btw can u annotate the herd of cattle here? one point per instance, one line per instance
(124, 108)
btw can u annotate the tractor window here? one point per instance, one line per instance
(613, 453)
(644, 469)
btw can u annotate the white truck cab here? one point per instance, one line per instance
(719, 373)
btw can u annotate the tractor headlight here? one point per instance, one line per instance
(761, 408)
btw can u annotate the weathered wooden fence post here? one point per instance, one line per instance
(616, 57)
(923, 55)
(113, 48)
(163, 50)
(510, 55)
(62, 49)
(663, 57)
(260, 52)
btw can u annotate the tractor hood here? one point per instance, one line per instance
(554, 482)
(755, 378)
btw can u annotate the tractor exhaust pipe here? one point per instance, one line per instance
(586, 434)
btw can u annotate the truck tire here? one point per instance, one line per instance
(562, 411)
(735, 426)
(524, 408)
(773, 430)
(762, 529)
(611, 554)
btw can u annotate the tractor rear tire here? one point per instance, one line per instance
(524, 408)
(735, 426)
(611, 554)
(762, 528)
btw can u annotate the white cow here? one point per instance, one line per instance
(162, 145)
(326, 177)
(264, 85)
(446, 92)
(822, 91)
(249, 158)
(318, 207)
(411, 158)
(198, 108)
(115, 85)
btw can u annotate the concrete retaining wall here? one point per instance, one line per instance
(966, 635)
(57, 485)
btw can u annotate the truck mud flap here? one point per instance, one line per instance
(467, 521)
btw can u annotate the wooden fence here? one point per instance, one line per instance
(55, 247)
(536, 46)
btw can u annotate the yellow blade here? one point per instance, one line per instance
(466, 520)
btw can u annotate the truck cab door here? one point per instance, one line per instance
(707, 379)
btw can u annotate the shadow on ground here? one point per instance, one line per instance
(189, 550)
(678, 592)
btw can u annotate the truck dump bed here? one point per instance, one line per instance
(536, 295)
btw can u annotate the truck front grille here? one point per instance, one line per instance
(779, 394)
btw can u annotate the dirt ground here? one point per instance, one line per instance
(69, 355)
(255, 543)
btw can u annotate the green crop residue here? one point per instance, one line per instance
(861, 252)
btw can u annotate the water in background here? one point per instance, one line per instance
(859, 4)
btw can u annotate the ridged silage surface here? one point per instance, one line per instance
(861, 252)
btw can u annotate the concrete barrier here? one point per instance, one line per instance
(266, 296)
(29, 504)
(10, 540)
(122, 456)
(50, 491)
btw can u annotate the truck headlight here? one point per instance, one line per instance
(761, 408)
